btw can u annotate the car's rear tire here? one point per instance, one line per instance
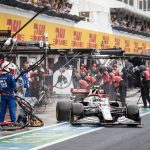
(63, 111)
(133, 113)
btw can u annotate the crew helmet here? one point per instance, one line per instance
(102, 69)
(142, 68)
(8, 67)
(109, 69)
(82, 65)
(5, 66)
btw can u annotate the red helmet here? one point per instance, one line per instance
(93, 65)
(82, 65)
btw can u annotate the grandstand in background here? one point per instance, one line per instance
(80, 23)
(140, 4)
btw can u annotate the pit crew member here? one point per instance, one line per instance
(145, 84)
(121, 88)
(7, 84)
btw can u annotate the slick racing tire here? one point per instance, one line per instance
(133, 113)
(63, 111)
(76, 112)
(77, 109)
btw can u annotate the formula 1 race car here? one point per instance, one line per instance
(96, 103)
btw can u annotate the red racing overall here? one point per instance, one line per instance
(121, 86)
(106, 79)
(145, 87)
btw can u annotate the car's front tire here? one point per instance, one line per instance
(77, 111)
(133, 113)
(63, 110)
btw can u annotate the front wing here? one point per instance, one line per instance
(95, 120)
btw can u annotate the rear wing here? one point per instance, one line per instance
(79, 91)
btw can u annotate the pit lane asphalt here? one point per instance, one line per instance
(110, 138)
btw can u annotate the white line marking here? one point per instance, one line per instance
(61, 140)
(144, 114)
(32, 130)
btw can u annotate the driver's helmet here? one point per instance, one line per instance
(95, 91)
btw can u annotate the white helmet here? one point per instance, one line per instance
(12, 66)
(7, 66)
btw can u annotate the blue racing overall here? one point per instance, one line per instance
(7, 84)
(26, 82)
